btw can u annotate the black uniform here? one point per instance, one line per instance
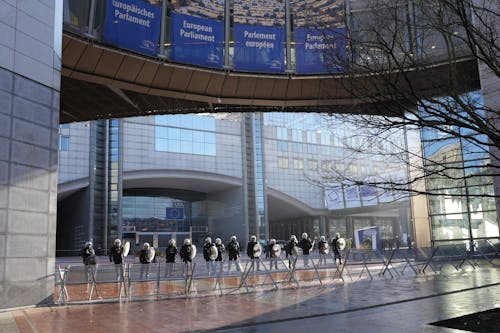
(115, 254)
(335, 247)
(88, 255)
(143, 257)
(289, 246)
(170, 253)
(220, 251)
(186, 253)
(305, 244)
(234, 250)
(207, 250)
(250, 249)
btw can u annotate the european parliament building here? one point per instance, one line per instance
(148, 120)
(251, 173)
(216, 174)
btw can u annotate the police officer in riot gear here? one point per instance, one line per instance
(335, 249)
(306, 245)
(289, 247)
(220, 252)
(88, 257)
(272, 255)
(145, 260)
(207, 248)
(233, 249)
(116, 256)
(186, 253)
(322, 247)
(170, 253)
(250, 246)
(116, 253)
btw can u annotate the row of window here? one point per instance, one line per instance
(186, 134)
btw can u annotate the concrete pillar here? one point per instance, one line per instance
(29, 119)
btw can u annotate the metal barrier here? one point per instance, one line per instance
(131, 281)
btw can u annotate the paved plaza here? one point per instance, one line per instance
(403, 303)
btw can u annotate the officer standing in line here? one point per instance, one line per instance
(306, 245)
(234, 254)
(322, 247)
(170, 253)
(116, 256)
(250, 253)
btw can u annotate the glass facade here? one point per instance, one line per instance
(325, 149)
(146, 210)
(462, 206)
(185, 134)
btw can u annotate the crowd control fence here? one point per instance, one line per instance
(104, 282)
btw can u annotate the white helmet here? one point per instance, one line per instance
(272, 241)
(208, 240)
(88, 244)
(118, 242)
(171, 242)
(146, 246)
(233, 238)
(293, 238)
(322, 238)
(304, 235)
(253, 238)
(218, 241)
(187, 241)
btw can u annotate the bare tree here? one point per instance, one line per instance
(414, 67)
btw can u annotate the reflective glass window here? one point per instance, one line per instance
(63, 142)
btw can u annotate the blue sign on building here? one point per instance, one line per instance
(175, 213)
(133, 24)
(320, 50)
(197, 41)
(259, 49)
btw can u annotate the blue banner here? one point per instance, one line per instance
(174, 213)
(133, 25)
(320, 50)
(259, 49)
(197, 41)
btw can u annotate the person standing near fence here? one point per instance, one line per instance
(323, 248)
(116, 257)
(145, 260)
(233, 249)
(273, 259)
(220, 252)
(306, 245)
(250, 251)
(186, 255)
(170, 253)
(335, 249)
(207, 250)
(88, 257)
(289, 247)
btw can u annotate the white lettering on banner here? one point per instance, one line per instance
(316, 42)
(195, 31)
(197, 27)
(126, 12)
(194, 35)
(134, 9)
(256, 35)
(261, 44)
(133, 19)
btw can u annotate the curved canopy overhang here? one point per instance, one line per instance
(197, 181)
(102, 82)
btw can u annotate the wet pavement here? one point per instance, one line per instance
(405, 303)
